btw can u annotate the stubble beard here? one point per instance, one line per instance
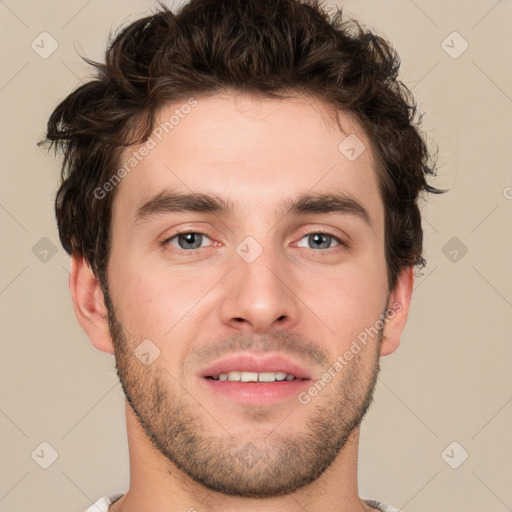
(259, 465)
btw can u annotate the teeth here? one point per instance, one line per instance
(254, 376)
(267, 377)
(247, 377)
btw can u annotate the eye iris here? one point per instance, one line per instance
(317, 237)
(190, 238)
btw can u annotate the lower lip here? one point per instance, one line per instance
(257, 392)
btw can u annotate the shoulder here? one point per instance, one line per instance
(382, 507)
(103, 503)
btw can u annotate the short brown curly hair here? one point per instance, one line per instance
(264, 47)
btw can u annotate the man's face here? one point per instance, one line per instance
(291, 290)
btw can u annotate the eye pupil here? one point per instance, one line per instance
(317, 237)
(190, 238)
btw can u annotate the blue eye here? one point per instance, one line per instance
(321, 241)
(187, 240)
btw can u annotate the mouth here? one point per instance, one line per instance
(255, 378)
(241, 376)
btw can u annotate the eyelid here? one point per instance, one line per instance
(336, 233)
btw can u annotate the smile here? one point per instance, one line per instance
(241, 376)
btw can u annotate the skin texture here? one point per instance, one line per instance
(191, 448)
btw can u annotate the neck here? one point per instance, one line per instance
(156, 484)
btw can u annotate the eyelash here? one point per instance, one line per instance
(166, 242)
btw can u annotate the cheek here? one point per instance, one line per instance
(348, 302)
(160, 302)
(143, 303)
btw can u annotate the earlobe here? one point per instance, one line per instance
(89, 304)
(398, 310)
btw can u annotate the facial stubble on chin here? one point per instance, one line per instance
(265, 466)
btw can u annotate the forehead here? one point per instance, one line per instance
(251, 149)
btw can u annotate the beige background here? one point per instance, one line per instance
(449, 381)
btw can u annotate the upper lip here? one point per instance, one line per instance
(259, 363)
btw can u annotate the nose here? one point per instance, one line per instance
(259, 296)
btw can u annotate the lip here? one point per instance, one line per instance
(256, 393)
(247, 362)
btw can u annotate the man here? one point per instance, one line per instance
(239, 200)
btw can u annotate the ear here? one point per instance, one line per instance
(89, 304)
(398, 310)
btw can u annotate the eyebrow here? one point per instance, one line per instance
(317, 203)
